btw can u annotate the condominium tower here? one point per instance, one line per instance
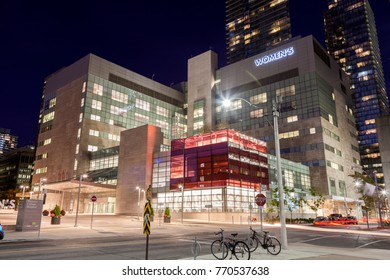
(252, 26)
(351, 38)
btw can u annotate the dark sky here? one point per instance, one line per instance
(148, 37)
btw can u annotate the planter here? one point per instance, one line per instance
(55, 220)
(167, 219)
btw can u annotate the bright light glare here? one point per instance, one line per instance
(226, 103)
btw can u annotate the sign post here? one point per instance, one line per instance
(260, 200)
(93, 199)
(147, 212)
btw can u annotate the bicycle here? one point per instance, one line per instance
(266, 241)
(221, 247)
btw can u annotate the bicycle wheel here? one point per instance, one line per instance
(219, 249)
(273, 246)
(241, 251)
(252, 243)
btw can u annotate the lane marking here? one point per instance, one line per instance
(369, 243)
(317, 238)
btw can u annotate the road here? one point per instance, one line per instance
(172, 242)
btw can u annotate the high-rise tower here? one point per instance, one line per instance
(351, 38)
(252, 26)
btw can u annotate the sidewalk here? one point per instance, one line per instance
(111, 225)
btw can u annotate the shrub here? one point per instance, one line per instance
(45, 213)
(57, 211)
(63, 212)
(167, 212)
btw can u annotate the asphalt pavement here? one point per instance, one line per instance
(113, 225)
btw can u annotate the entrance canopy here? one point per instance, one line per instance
(74, 185)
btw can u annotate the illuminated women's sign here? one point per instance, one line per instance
(274, 56)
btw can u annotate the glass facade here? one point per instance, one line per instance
(117, 105)
(8, 141)
(352, 40)
(254, 26)
(225, 171)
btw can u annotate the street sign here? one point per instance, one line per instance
(93, 198)
(147, 212)
(260, 199)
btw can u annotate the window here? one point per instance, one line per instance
(95, 118)
(92, 148)
(41, 170)
(94, 132)
(198, 112)
(96, 104)
(292, 119)
(97, 89)
(48, 117)
(162, 111)
(81, 117)
(84, 87)
(289, 134)
(141, 118)
(286, 91)
(142, 104)
(257, 113)
(118, 96)
(162, 124)
(259, 98)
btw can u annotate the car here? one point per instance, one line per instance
(335, 217)
(1, 232)
(320, 220)
(351, 220)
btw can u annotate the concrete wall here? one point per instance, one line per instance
(135, 165)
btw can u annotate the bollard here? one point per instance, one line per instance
(195, 248)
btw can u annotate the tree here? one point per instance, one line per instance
(317, 202)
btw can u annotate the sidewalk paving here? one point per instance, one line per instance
(111, 225)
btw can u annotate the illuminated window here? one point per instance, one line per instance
(286, 91)
(116, 110)
(257, 113)
(84, 87)
(366, 98)
(47, 142)
(75, 165)
(118, 96)
(371, 121)
(292, 119)
(289, 134)
(258, 98)
(312, 130)
(41, 170)
(81, 117)
(141, 118)
(82, 102)
(162, 124)
(48, 117)
(162, 111)
(97, 89)
(96, 104)
(92, 148)
(199, 112)
(52, 102)
(371, 131)
(235, 105)
(198, 125)
(142, 104)
(93, 132)
(95, 118)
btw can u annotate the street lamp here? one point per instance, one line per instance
(182, 201)
(40, 186)
(139, 196)
(24, 188)
(378, 202)
(78, 198)
(276, 114)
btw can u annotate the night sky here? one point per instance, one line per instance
(148, 37)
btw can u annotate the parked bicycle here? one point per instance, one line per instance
(266, 241)
(221, 247)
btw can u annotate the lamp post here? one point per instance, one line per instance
(40, 186)
(139, 197)
(276, 114)
(78, 198)
(182, 202)
(23, 188)
(378, 201)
